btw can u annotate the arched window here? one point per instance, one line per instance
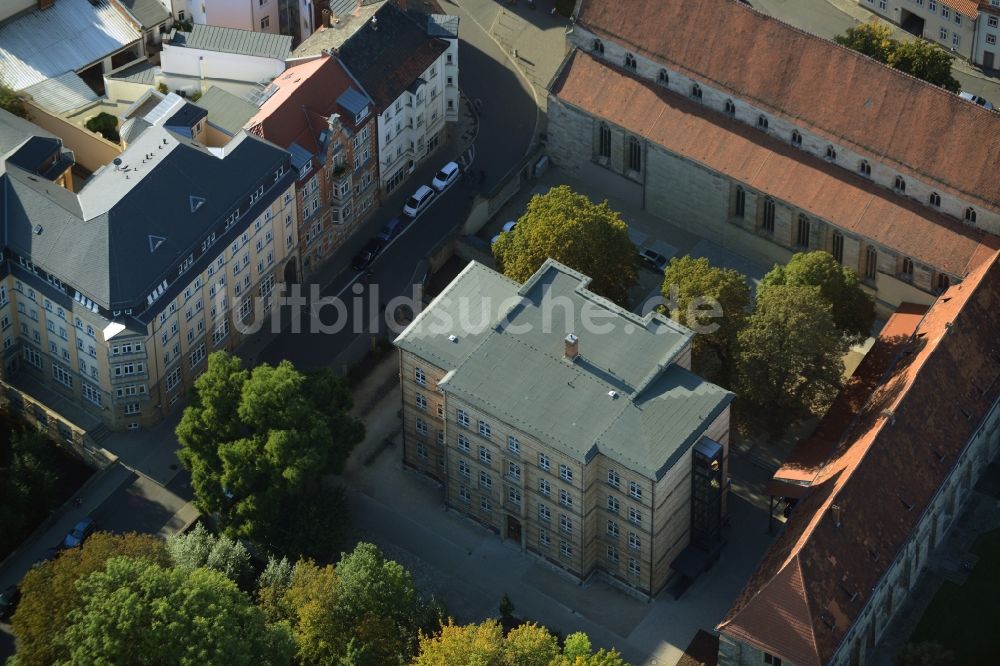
(899, 185)
(864, 168)
(604, 141)
(970, 215)
(837, 247)
(598, 46)
(634, 154)
(831, 153)
(730, 107)
(802, 235)
(871, 262)
(696, 91)
(762, 122)
(630, 61)
(767, 221)
(663, 78)
(943, 282)
(741, 202)
(796, 138)
(934, 199)
(907, 268)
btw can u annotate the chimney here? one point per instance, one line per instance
(572, 347)
(357, 6)
(45, 4)
(333, 122)
(326, 17)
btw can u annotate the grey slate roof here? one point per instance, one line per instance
(332, 38)
(15, 132)
(66, 37)
(231, 40)
(62, 94)
(511, 365)
(144, 73)
(148, 13)
(225, 110)
(442, 25)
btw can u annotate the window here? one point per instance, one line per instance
(991, 38)
(464, 494)
(485, 456)
(633, 566)
(566, 473)
(993, 22)
(421, 427)
(484, 505)
(485, 481)
(92, 393)
(899, 184)
(630, 62)
(565, 498)
(946, 12)
(934, 199)
(943, 281)
(131, 408)
(730, 107)
(198, 355)
(513, 444)
(970, 215)
(771, 659)
(513, 471)
(612, 554)
(265, 22)
(696, 91)
(831, 153)
(613, 504)
(173, 379)
(598, 46)
(464, 469)
(543, 538)
(421, 401)
(613, 478)
(604, 141)
(956, 39)
(543, 461)
(440, 411)
(633, 541)
(463, 442)
(767, 223)
(33, 357)
(865, 169)
(565, 549)
(612, 529)
(62, 375)
(907, 268)
(485, 430)
(544, 488)
(802, 235)
(544, 514)
(514, 495)
(463, 418)
(762, 122)
(663, 78)
(838, 247)
(796, 138)
(741, 202)
(871, 262)
(634, 154)
(565, 523)
(634, 515)
(635, 490)
(943, 34)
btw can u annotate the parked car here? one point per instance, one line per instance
(445, 177)
(390, 230)
(367, 255)
(80, 532)
(655, 260)
(509, 225)
(976, 99)
(416, 204)
(8, 601)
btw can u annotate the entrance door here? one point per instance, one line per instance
(513, 529)
(988, 60)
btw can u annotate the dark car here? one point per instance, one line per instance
(80, 532)
(390, 230)
(8, 601)
(367, 255)
(655, 260)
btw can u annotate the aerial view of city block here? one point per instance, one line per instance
(500, 332)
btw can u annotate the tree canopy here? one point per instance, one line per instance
(568, 227)
(135, 611)
(714, 302)
(200, 549)
(49, 591)
(9, 101)
(873, 39)
(28, 485)
(791, 355)
(853, 310)
(258, 445)
(917, 57)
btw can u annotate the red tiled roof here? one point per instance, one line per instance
(839, 94)
(969, 8)
(769, 165)
(816, 579)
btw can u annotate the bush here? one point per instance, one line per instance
(106, 125)
(9, 101)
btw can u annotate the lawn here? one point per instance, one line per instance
(963, 618)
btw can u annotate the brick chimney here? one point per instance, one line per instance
(326, 18)
(572, 347)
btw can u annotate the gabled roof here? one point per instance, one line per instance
(389, 53)
(865, 502)
(143, 72)
(854, 101)
(148, 13)
(770, 165)
(233, 40)
(62, 94)
(348, 16)
(225, 110)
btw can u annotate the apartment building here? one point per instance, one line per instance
(877, 487)
(597, 451)
(252, 15)
(731, 141)
(115, 291)
(317, 112)
(409, 67)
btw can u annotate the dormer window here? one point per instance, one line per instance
(762, 122)
(361, 115)
(970, 215)
(831, 153)
(865, 169)
(598, 46)
(696, 91)
(935, 200)
(663, 78)
(730, 107)
(630, 62)
(796, 138)
(899, 185)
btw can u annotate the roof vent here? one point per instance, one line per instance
(453, 338)
(613, 394)
(117, 162)
(572, 346)
(38, 230)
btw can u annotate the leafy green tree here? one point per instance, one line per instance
(873, 39)
(925, 60)
(104, 124)
(200, 549)
(566, 226)
(138, 612)
(28, 485)
(272, 585)
(474, 644)
(10, 102)
(714, 303)
(924, 653)
(258, 445)
(49, 591)
(853, 309)
(530, 645)
(791, 356)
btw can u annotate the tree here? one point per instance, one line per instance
(200, 549)
(791, 356)
(530, 645)
(927, 61)
(258, 445)
(472, 645)
(714, 303)
(568, 227)
(10, 102)
(924, 653)
(853, 309)
(104, 124)
(28, 485)
(138, 612)
(873, 39)
(49, 592)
